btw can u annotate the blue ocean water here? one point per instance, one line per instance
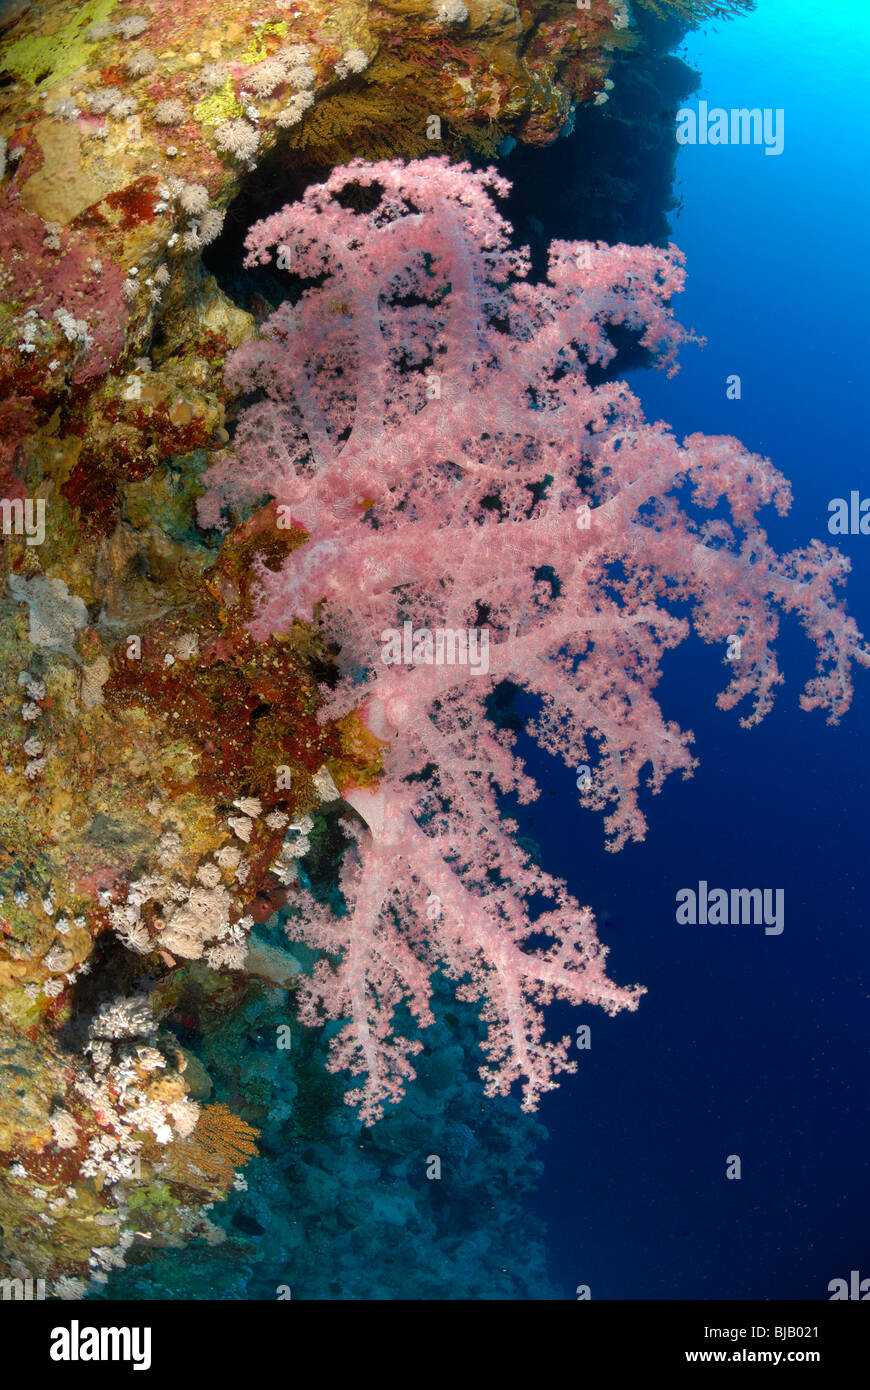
(746, 1044)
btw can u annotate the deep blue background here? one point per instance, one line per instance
(745, 1044)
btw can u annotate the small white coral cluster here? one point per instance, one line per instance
(229, 951)
(29, 331)
(212, 77)
(65, 108)
(31, 710)
(292, 113)
(354, 62)
(238, 138)
(33, 328)
(291, 66)
(128, 28)
(123, 1018)
(296, 845)
(187, 646)
(200, 918)
(202, 231)
(265, 77)
(295, 60)
(193, 198)
(325, 786)
(140, 63)
(60, 960)
(73, 329)
(127, 1104)
(68, 1289)
(451, 12)
(170, 111)
(108, 101)
(296, 833)
(63, 1129)
(128, 1092)
(34, 691)
(35, 765)
(195, 921)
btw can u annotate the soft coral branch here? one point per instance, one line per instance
(426, 417)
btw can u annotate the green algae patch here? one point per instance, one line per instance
(60, 54)
(155, 1200)
(219, 106)
(257, 49)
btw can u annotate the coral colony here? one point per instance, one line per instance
(427, 424)
(266, 577)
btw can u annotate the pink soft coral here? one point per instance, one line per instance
(426, 415)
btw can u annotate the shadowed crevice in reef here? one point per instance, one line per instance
(612, 178)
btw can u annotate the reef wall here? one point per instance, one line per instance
(153, 756)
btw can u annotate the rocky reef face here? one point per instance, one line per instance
(161, 773)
